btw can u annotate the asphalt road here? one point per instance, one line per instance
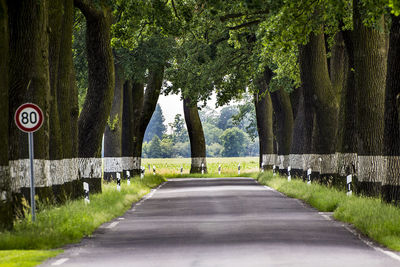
(222, 222)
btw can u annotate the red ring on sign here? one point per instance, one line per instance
(18, 112)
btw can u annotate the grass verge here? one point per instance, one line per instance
(56, 226)
(374, 218)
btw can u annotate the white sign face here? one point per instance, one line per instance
(28, 117)
(309, 171)
(85, 186)
(289, 168)
(128, 173)
(118, 175)
(349, 178)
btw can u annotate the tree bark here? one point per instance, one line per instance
(144, 106)
(196, 136)
(97, 105)
(321, 108)
(391, 182)
(6, 211)
(113, 132)
(127, 120)
(370, 57)
(263, 107)
(284, 126)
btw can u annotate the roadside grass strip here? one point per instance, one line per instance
(57, 226)
(374, 218)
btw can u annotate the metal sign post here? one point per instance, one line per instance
(29, 118)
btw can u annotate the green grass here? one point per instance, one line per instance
(69, 223)
(170, 167)
(25, 258)
(374, 218)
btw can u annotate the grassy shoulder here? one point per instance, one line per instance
(374, 218)
(30, 243)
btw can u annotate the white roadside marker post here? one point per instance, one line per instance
(142, 170)
(202, 168)
(128, 177)
(118, 181)
(86, 192)
(309, 176)
(289, 178)
(239, 169)
(154, 170)
(273, 170)
(349, 182)
(219, 169)
(29, 118)
(181, 169)
(262, 166)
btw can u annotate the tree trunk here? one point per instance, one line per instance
(284, 126)
(263, 107)
(127, 128)
(321, 108)
(6, 211)
(370, 57)
(137, 134)
(145, 109)
(196, 136)
(113, 133)
(97, 105)
(391, 182)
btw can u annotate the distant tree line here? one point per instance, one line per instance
(227, 134)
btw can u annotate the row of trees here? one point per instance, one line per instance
(225, 135)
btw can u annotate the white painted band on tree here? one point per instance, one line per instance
(371, 168)
(269, 159)
(196, 162)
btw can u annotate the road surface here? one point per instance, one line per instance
(222, 222)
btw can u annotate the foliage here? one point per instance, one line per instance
(179, 131)
(114, 123)
(156, 125)
(234, 141)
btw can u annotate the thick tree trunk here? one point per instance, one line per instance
(29, 82)
(145, 109)
(391, 182)
(263, 107)
(6, 211)
(321, 108)
(196, 136)
(113, 133)
(65, 85)
(370, 57)
(284, 126)
(127, 128)
(97, 105)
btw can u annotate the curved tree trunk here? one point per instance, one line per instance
(370, 73)
(127, 126)
(196, 136)
(321, 108)
(113, 133)
(6, 211)
(263, 107)
(391, 182)
(97, 105)
(284, 126)
(144, 106)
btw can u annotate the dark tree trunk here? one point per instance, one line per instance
(391, 182)
(65, 85)
(263, 107)
(127, 120)
(321, 108)
(196, 136)
(97, 105)
(370, 57)
(113, 132)
(73, 110)
(56, 10)
(284, 126)
(145, 108)
(6, 211)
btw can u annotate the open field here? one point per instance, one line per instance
(170, 167)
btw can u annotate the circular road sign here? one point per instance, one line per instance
(28, 117)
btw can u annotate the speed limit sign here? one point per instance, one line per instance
(29, 117)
